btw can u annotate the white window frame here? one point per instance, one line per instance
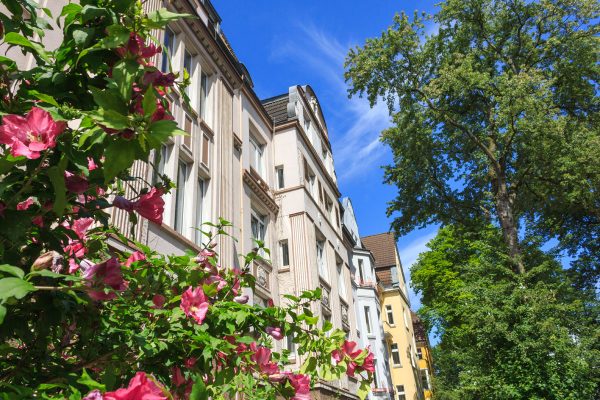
(280, 177)
(261, 222)
(400, 392)
(180, 195)
(284, 244)
(405, 318)
(341, 281)
(200, 204)
(389, 312)
(322, 259)
(168, 50)
(395, 349)
(203, 95)
(368, 321)
(361, 275)
(257, 160)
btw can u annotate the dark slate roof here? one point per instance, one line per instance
(277, 108)
(383, 247)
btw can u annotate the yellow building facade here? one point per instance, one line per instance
(424, 356)
(396, 318)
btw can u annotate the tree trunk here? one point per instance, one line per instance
(504, 206)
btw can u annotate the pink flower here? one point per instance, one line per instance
(94, 395)
(243, 299)
(28, 136)
(75, 248)
(301, 385)
(262, 358)
(137, 48)
(178, 378)
(369, 363)
(91, 164)
(135, 256)
(2, 208)
(158, 300)
(194, 303)
(190, 362)
(150, 205)
(107, 273)
(274, 332)
(157, 78)
(76, 183)
(24, 205)
(350, 350)
(141, 387)
(38, 220)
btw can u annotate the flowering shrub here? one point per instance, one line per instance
(81, 319)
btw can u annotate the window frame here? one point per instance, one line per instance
(394, 349)
(280, 177)
(284, 251)
(322, 259)
(401, 392)
(367, 311)
(389, 313)
(180, 196)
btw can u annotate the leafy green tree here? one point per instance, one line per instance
(495, 119)
(505, 336)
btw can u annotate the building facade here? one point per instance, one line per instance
(424, 356)
(310, 250)
(397, 321)
(367, 304)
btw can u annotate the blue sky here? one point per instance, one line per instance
(283, 43)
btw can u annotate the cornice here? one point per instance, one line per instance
(260, 189)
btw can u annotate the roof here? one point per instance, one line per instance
(383, 247)
(277, 108)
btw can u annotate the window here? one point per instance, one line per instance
(390, 314)
(279, 174)
(257, 225)
(420, 353)
(368, 319)
(168, 48)
(200, 191)
(187, 139)
(323, 151)
(375, 384)
(394, 272)
(309, 178)
(203, 95)
(321, 261)
(341, 281)
(285, 253)
(182, 175)
(189, 67)
(328, 206)
(160, 161)
(306, 123)
(395, 354)
(360, 271)
(256, 156)
(290, 345)
(412, 357)
(205, 150)
(405, 317)
(320, 192)
(337, 217)
(425, 379)
(400, 392)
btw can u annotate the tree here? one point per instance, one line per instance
(80, 318)
(533, 337)
(496, 119)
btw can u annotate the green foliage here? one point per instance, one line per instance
(495, 119)
(78, 312)
(505, 336)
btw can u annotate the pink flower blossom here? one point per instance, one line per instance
(150, 205)
(194, 303)
(24, 205)
(76, 183)
(190, 362)
(301, 385)
(135, 256)
(158, 300)
(38, 220)
(28, 136)
(141, 387)
(274, 332)
(94, 395)
(243, 299)
(262, 358)
(107, 273)
(91, 164)
(75, 248)
(178, 378)
(350, 350)
(137, 48)
(157, 78)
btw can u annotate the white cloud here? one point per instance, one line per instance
(354, 127)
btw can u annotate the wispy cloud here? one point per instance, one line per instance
(354, 126)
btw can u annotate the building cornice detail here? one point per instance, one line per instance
(260, 189)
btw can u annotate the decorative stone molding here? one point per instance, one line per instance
(260, 189)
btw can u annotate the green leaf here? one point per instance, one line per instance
(108, 100)
(199, 391)
(110, 118)
(57, 178)
(124, 74)
(309, 365)
(90, 12)
(17, 39)
(86, 380)
(46, 98)
(160, 131)
(70, 12)
(82, 36)
(2, 313)
(363, 390)
(161, 18)
(14, 287)
(117, 36)
(14, 271)
(149, 102)
(120, 154)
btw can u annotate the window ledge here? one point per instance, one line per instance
(284, 269)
